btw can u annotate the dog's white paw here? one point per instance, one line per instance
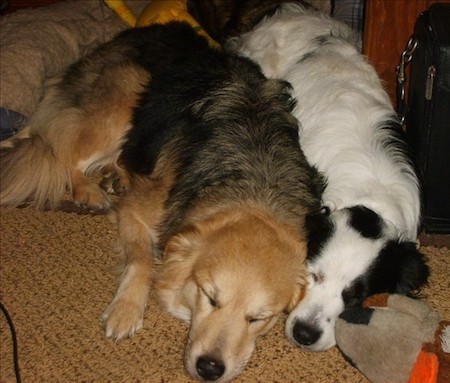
(123, 318)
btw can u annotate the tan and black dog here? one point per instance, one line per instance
(219, 187)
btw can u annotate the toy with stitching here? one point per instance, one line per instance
(396, 339)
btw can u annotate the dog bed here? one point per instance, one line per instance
(39, 43)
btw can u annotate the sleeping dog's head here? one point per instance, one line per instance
(352, 253)
(229, 288)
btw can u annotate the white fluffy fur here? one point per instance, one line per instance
(341, 106)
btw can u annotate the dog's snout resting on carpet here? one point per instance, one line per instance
(364, 241)
(219, 191)
(231, 289)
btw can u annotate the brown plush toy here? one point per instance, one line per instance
(396, 339)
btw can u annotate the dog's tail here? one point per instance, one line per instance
(29, 169)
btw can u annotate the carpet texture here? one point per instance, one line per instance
(58, 274)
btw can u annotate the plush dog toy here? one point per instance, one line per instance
(159, 11)
(396, 339)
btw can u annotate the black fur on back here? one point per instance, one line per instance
(366, 222)
(229, 128)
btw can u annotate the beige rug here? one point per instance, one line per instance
(56, 278)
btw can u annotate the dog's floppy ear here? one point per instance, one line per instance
(400, 268)
(297, 294)
(319, 228)
(299, 290)
(178, 260)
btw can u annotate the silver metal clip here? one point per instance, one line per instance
(405, 58)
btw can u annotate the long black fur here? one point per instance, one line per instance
(233, 128)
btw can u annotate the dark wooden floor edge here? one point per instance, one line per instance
(438, 240)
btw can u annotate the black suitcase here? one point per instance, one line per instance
(428, 114)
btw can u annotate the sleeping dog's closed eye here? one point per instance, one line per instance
(212, 300)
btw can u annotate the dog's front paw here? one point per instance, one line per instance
(122, 319)
(90, 196)
(115, 184)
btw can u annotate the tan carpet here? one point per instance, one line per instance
(57, 276)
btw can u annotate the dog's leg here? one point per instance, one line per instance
(124, 316)
(138, 217)
(88, 193)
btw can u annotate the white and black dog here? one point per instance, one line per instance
(364, 241)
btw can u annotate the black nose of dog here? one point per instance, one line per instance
(306, 334)
(210, 369)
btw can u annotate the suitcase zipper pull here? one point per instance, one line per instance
(431, 73)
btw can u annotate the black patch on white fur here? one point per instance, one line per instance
(354, 294)
(357, 315)
(397, 144)
(366, 222)
(399, 268)
(320, 229)
(397, 141)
